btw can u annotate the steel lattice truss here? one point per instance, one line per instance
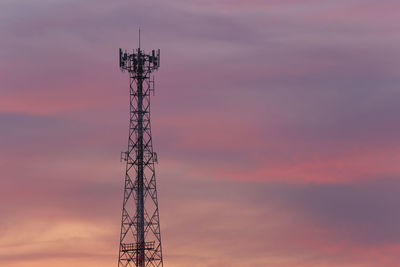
(140, 240)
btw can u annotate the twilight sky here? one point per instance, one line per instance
(276, 123)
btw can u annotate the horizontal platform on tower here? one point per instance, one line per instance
(134, 247)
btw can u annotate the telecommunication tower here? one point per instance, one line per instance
(140, 239)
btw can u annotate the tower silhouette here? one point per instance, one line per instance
(140, 239)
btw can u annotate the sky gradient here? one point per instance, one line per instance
(276, 125)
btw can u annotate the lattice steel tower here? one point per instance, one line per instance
(140, 240)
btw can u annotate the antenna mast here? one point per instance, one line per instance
(140, 239)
